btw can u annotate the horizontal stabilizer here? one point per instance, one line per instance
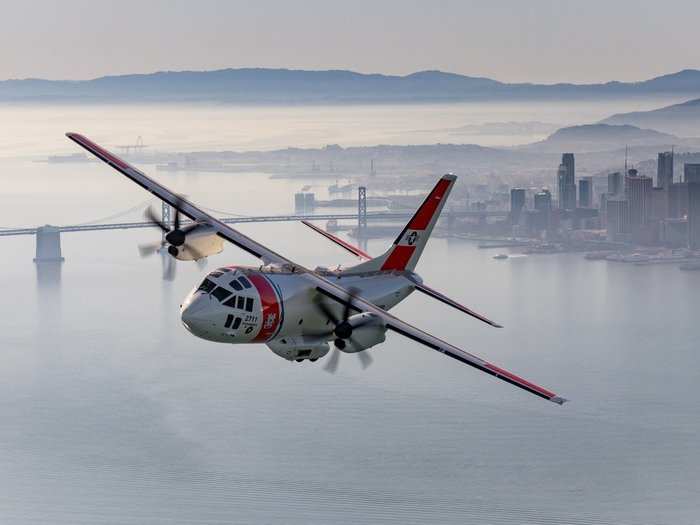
(454, 304)
(340, 242)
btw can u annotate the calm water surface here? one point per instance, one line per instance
(113, 413)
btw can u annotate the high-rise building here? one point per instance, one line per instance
(517, 203)
(614, 184)
(678, 200)
(694, 215)
(566, 179)
(617, 219)
(638, 191)
(664, 170)
(543, 209)
(585, 192)
(691, 172)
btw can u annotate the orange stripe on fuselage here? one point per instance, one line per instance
(271, 310)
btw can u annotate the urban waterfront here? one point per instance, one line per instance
(113, 413)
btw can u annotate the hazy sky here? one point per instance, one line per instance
(511, 40)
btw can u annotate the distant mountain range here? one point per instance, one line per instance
(681, 119)
(285, 86)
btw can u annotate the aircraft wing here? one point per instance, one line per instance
(322, 285)
(187, 208)
(395, 324)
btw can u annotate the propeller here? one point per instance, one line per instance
(342, 330)
(174, 239)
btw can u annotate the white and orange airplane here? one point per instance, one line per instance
(297, 311)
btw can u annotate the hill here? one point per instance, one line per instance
(601, 137)
(681, 119)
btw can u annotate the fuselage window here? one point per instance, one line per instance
(206, 286)
(249, 304)
(229, 320)
(241, 302)
(236, 285)
(236, 323)
(231, 302)
(221, 293)
(245, 282)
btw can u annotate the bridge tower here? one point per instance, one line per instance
(48, 244)
(361, 211)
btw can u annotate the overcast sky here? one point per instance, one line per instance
(510, 40)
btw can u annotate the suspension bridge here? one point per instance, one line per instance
(48, 237)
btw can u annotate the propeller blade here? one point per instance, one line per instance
(325, 310)
(153, 219)
(332, 363)
(169, 268)
(365, 359)
(352, 291)
(148, 249)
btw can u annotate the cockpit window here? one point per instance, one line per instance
(249, 304)
(221, 293)
(245, 282)
(215, 274)
(231, 302)
(236, 323)
(241, 301)
(206, 286)
(236, 285)
(223, 270)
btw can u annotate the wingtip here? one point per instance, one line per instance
(559, 400)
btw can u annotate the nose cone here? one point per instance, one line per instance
(196, 312)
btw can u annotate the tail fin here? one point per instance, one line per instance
(409, 245)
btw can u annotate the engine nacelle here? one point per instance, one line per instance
(368, 330)
(299, 347)
(204, 242)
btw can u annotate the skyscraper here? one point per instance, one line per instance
(517, 203)
(638, 191)
(567, 182)
(617, 219)
(664, 170)
(543, 207)
(614, 184)
(694, 214)
(585, 192)
(691, 172)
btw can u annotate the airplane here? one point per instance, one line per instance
(297, 311)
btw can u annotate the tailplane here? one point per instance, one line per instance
(409, 245)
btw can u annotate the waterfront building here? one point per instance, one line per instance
(617, 219)
(638, 191)
(517, 203)
(678, 200)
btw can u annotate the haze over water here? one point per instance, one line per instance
(113, 413)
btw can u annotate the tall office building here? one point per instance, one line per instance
(638, 191)
(678, 200)
(664, 170)
(617, 219)
(517, 203)
(691, 172)
(614, 184)
(694, 215)
(543, 209)
(566, 180)
(585, 192)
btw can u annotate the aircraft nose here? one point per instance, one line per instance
(194, 313)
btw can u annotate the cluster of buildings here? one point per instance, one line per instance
(630, 209)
